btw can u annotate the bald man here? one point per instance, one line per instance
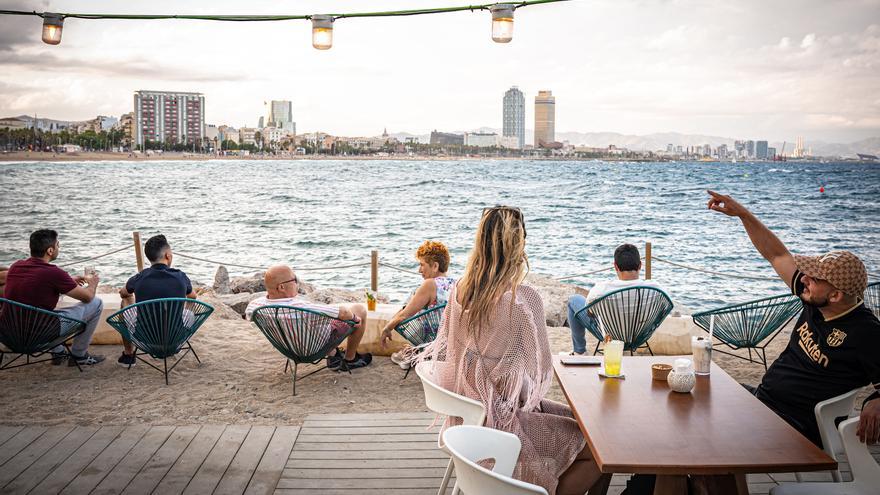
(282, 287)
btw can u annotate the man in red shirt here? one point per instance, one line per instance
(37, 282)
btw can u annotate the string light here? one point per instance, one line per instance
(322, 25)
(502, 22)
(322, 31)
(52, 26)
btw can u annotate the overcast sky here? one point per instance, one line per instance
(745, 68)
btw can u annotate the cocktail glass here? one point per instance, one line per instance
(613, 357)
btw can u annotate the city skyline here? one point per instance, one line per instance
(776, 70)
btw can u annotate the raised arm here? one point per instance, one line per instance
(765, 241)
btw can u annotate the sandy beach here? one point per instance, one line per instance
(240, 380)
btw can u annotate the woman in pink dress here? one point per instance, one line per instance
(492, 346)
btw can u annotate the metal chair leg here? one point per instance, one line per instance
(295, 365)
(194, 353)
(165, 360)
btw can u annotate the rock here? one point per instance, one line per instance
(221, 310)
(251, 283)
(221, 281)
(238, 302)
(107, 289)
(555, 296)
(305, 287)
(343, 296)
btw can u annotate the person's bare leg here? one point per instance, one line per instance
(128, 349)
(353, 340)
(583, 474)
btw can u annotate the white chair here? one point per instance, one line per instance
(865, 470)
(442, 401)
(826, 413)
(469, 444)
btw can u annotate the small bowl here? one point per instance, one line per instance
(660, 371)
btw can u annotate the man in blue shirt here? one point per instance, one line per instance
(159, 281)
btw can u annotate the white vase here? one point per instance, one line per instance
(682, 378)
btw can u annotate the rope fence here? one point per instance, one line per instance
(374, 265)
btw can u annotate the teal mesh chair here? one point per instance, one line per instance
(301, 335)
(421, 328)
(161, 328)
(872, 297)
(630, 315)
(32, 332)
(751, 325)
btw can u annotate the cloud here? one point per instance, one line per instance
(808, 40)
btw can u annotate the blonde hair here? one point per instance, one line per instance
(434, 252)
(498, 263)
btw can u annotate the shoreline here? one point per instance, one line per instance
(109, 156)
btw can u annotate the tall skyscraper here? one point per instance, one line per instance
(750, 148)
(545, 118)
(169, 117)
(761, 150)
(279, 114)
(514, 119)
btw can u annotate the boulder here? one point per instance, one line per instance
(221, 281)
(343, 296)
(238, 302)
(251, 283)
(555, 296)
(221, 310)
(305, 287)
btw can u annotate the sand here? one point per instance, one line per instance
(240, 380)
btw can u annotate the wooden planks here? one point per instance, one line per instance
(365, 453)
(142, 459)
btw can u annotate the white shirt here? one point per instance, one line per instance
(602, 288)
(299, 302)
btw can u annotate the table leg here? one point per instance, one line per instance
(600, 487)
(671, 485)
(725, 484)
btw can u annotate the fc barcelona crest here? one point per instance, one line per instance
(836, 338)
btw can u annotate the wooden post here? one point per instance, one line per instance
(648, 261)
(138, 253)
(374, 270)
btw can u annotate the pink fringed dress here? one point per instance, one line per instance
(507, 367)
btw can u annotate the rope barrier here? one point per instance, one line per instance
(123, 248)
(270, 18)
(585, 274)
(710, 272)
(386, 265)
(306, 269)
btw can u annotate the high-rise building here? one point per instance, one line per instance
(761, 150)
(750, 148)
(446, 138)
(545, 118)
(169, 117)
(771, 153)
(799, 148)
(279, 114)
(514, 119)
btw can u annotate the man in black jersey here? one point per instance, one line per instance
(835, 345)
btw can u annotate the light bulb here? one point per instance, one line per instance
(322, 32)
(502, 22)
(52, 26)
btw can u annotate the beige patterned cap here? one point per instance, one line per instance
(842, 269)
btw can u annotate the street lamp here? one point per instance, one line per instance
(322, 31)
(52, 26)
(502, 22)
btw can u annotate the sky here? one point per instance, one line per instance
(752, 69)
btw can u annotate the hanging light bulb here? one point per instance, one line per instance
(502, 22)
(52, 25)
(322, 31)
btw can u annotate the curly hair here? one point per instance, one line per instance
(433, 251)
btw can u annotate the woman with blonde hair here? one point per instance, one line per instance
(492, 347)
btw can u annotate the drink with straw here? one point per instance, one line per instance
(613, 357)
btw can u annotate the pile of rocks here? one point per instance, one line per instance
(237, 293)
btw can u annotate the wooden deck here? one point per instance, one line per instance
(330, 454)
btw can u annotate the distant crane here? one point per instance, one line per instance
(780, 157)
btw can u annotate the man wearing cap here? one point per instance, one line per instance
(835, 344)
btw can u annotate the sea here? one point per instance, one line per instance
(322, 216)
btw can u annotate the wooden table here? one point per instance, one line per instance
(717, 433)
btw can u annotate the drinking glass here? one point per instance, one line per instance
(613, 357)
(702, 351)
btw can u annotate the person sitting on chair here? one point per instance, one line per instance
(433, 260)
(492, 346)
(159, 281)
(37, 282)
(283, 289)
(835, 344)
(627, 265)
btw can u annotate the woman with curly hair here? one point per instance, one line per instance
(433, 260)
